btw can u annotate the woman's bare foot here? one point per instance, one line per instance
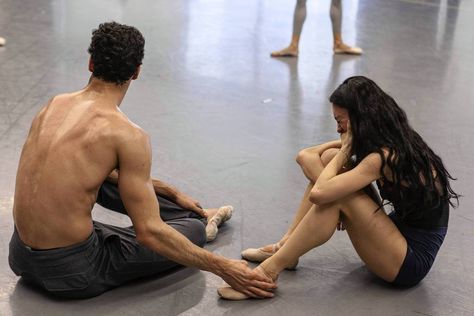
(215, 218)
(341, 48)
(289, 51)
(228, 293)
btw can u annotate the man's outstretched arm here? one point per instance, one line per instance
(168, 191)
(136, 190)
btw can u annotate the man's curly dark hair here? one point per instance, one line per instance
(116, 51)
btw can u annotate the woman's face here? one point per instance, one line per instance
(341, 116)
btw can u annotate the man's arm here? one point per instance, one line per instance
(168, 191)
(137, 192)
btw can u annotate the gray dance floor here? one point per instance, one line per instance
(226, 122)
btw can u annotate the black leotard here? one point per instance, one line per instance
(433, 218)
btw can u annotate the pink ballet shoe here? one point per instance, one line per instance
(258, 255)
(285, 52)
(228, 293)
(348, 50)
(223, 215)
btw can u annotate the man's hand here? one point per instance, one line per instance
(191, 204)
(245, 280)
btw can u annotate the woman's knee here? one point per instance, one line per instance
(306, 160)
(301, 156)
(328, 155)
(306, 156)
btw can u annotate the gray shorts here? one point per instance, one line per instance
(110, 256)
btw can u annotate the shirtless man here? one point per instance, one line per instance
(70, 159)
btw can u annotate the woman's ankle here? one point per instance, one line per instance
(268, 271)
(283, 240)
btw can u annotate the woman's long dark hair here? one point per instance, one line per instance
(378, 123)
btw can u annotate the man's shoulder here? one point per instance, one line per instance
(132, 144)
(127, 132)
(126, 126)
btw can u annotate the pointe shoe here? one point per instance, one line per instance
(228, 293)
(285, 52)
(223, 215)
(2, 41)
(348, 50)
(258, 255)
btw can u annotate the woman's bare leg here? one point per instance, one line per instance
(374, 236)
(314, 229)
(376, 239)
(312, 166)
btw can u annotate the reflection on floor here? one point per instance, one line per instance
(226, 122)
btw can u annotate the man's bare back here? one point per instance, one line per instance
(74, 144)
(68, 154)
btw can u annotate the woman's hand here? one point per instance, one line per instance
(346, 140)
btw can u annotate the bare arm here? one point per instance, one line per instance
(169, 192)
(159, 186)
(332, 144)
(320, 149)
(313, 159)
(136, 189)
(333, 185)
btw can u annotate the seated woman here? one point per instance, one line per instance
(377, 144)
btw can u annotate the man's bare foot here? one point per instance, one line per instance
(228, 293)
(215, 218)
(342, 48)
(289, 51)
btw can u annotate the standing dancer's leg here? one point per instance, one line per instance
(299, 17)
(339, 47)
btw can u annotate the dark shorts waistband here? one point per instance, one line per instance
(55, 253)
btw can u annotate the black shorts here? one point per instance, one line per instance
(422, 248)
(109, 257)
